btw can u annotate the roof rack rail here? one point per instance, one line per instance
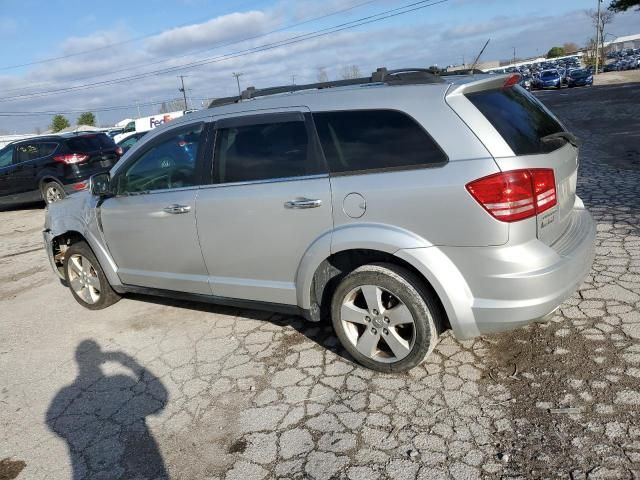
(401, 76)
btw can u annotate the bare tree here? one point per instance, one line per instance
(606, 17)
(172, 105)
(350, 71)
(322, 75)
(570, 47)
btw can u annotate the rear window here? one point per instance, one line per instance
(520, 118)
(91, 143)
(373, 140)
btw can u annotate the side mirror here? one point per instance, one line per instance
(100, 184)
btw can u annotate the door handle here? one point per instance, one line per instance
(303, 203)
(175, 208)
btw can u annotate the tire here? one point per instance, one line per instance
(86, 279)
(52, 192)
(366, 333)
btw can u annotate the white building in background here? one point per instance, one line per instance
(622, 43)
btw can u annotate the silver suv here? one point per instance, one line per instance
(397, 205)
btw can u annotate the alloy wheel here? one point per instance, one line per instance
(53, 193)
(378, 323)
(83, 279)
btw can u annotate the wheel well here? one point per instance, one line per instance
(60, 245)
(334, 268)
(46, 179)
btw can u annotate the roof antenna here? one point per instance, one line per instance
(475, 62)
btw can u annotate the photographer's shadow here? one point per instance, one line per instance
(103, 418)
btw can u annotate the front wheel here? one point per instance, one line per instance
(86, 279)
(385, 317)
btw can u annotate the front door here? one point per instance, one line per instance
(150, 225)
(269, 201)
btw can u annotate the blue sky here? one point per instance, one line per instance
(175, 32)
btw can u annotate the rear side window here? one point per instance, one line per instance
(263, 151)
(32, 151)
(375, 139)
(90, 143)
(521, 119)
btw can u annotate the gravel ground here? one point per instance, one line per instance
(164, 389)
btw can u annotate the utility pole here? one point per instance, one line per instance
(598, 38)
(293, 79)
(184, 92)
(514, 56)
(138, 107)
(238, 75)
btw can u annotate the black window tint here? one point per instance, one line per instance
(26, 152)
(519, 118)
(47, 149)
(91, 143)
(6, 157)
(170, 164)
(374, 139)
(261, 152)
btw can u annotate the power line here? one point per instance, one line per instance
(100, 109)
(166, 58)
(269, 46)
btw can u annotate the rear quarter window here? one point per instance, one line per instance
(519, 118)
(355, 141)
(90, 143)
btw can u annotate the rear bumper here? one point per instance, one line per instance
(500, 288)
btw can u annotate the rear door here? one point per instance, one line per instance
(150, 225)
(518, 130)
(27, 163)
(268, 202)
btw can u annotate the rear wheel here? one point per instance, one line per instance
(52, 192)
(385, 318)
(86, 279)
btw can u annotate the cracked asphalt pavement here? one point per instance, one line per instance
(151, 388)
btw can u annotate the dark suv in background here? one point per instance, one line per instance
(50, 167)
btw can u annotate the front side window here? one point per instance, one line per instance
(6, 157)
(362, 140)
(169, 164)
(262, 152)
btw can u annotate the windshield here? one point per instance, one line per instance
(549, 74)
(579, 73)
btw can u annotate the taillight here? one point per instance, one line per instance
(119, 151)
(80, 186)
(511, 81)
(516, 194)
(71, 158)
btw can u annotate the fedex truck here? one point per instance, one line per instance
(145, 124)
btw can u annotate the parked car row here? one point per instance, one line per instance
(628, 59)
(50, 167)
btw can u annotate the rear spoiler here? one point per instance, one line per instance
(486, 82)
